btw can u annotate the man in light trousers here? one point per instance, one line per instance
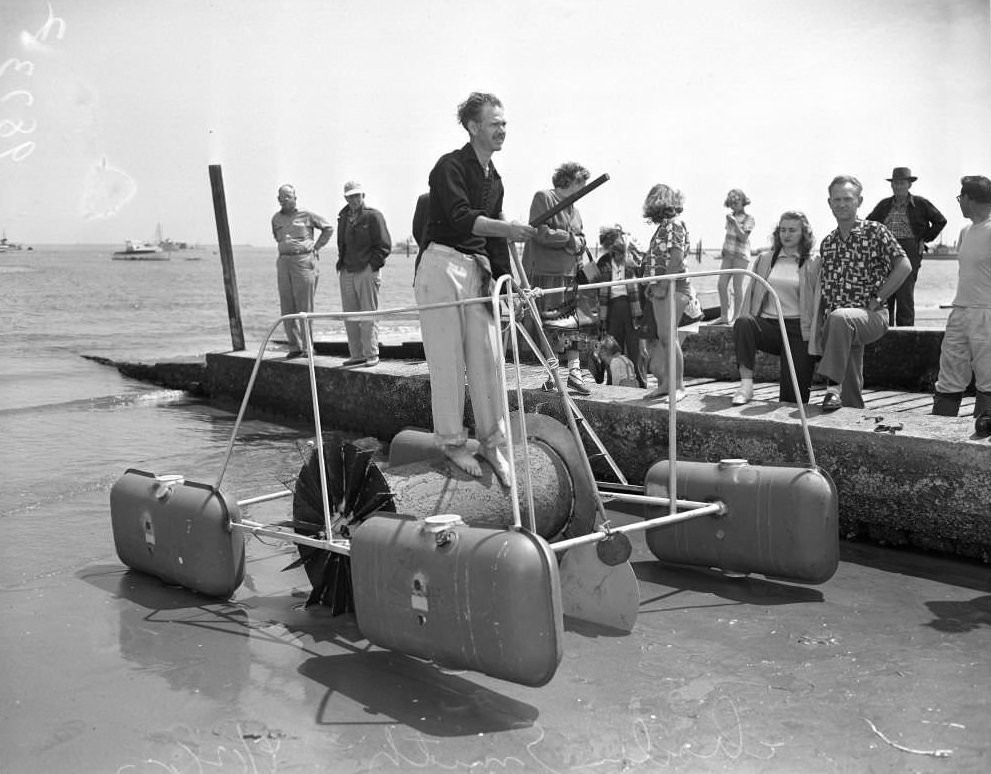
(861, 266)
(466, 248)
(363, 244)
(298, 265)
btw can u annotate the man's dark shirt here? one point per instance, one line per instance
(923, 218)
(459, 193)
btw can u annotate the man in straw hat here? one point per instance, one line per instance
(913, 221)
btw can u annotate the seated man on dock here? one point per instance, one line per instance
(862, 265)
(966, 346)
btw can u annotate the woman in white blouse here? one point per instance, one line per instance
(793, 271)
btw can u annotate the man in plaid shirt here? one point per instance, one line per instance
(862, 265)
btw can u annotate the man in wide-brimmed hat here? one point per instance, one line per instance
(913, 221)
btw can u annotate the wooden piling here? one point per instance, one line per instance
(227, 257)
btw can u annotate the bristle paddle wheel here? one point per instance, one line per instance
(356, 489)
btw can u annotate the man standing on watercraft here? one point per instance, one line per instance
(862, 265)
(913, 221)
(966, 346)
(466, 247)
(298, 265)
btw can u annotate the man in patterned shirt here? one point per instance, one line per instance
(862, 265)
(913, 221)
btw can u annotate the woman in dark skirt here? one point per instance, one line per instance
(552, 257)
(793, 271)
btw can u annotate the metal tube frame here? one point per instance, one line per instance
(506, 294)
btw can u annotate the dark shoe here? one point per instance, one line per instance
(982, 403)
(577, 384)
(353, 361)
(369, 362)
(982, 425)
(293, 353)
(831, 402)
(548, 386)
(947, 404)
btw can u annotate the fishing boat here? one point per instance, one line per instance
(168, 244)
(139, 250)
(7, 246)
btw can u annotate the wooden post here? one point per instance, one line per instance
(226, 257)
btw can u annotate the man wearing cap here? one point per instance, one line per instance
(363, 244)
(966, 349)
(465, 248)
(298, 265)
(913, 221)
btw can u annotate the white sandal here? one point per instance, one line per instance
(743, 395)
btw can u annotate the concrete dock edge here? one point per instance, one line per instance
(928, 486)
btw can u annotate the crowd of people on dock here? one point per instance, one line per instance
(834, 298)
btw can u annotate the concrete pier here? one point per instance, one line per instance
(904, 476)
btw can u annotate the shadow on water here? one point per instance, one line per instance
(964, 573)
(749, 590)
(417, 694)
(202, 646)
(170, 631)
(395, 688)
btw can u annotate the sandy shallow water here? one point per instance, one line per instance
(108, 670)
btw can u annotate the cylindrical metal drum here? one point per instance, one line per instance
(782, 522)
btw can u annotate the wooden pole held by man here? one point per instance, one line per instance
(226, 257)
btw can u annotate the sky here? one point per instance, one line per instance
(112, 112)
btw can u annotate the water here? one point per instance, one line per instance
(70, 426)
(102, 671)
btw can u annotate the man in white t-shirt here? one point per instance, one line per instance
(966, 349)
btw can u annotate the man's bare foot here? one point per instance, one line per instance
(679, 394)
(464, 459)
(498, 461)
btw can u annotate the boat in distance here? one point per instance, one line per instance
(137, 250)
(7, 246)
